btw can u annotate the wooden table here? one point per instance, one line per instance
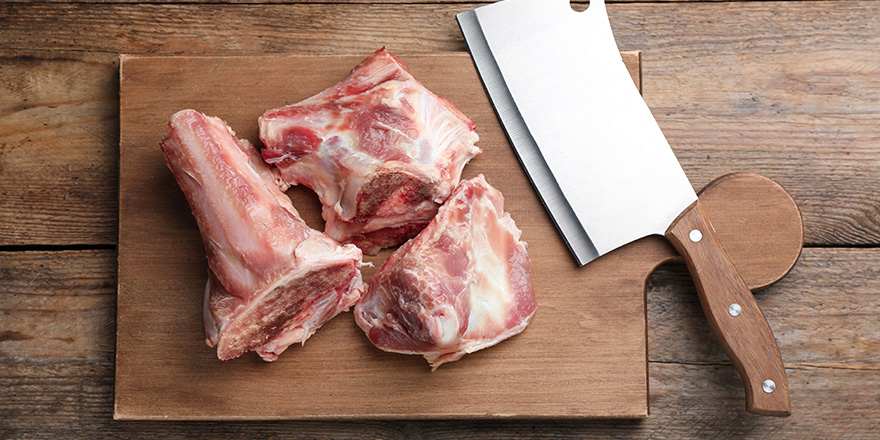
(787, 89)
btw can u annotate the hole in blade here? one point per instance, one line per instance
(579, 6)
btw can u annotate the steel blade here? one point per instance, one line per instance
(524, 145)
(574, 99)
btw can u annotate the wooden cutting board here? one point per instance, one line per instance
(584, 354)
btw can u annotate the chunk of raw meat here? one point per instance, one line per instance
(463, 284)
(380, 150)
(272, 280)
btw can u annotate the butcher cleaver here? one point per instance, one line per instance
(603, 168)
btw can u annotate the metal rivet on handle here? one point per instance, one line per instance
(768, 386)
(734, 310)
(695, 235)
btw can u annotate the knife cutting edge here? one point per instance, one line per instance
(603, 167)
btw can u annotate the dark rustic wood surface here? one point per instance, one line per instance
(788, 89)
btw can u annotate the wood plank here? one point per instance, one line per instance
(179, 29)
(826, 161)
(737, 58)
(576, 5)
(57, 305)
(69, 393)
(58, 148)
(741, 102)
(823, 313)
(689, 52)
(68, 401)
(687, 401)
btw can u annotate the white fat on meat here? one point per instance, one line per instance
(381, 151)
(461, 285)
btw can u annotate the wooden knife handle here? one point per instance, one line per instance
(731, 310)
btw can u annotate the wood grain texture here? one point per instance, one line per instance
(826, 329)
(771, 216)
(744, 333)
(822, 314)
(57, 305)
(782, 89)
(576, 5)
(58, 154)
(686, 42)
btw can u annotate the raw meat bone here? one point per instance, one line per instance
(463, 284)
(273, 281)
(381, 151)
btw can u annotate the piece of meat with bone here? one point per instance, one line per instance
(463, 284)
(272, 280)
(381, 151)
